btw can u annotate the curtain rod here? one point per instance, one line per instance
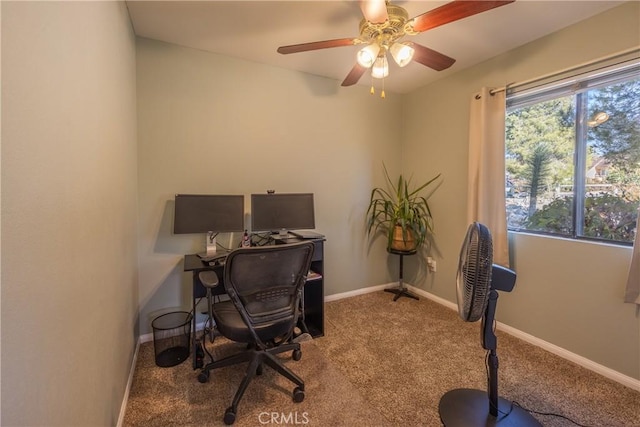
(566, 70)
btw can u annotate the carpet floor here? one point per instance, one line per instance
(174, 397)
(380, 363)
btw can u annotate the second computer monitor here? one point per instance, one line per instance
(282, 212)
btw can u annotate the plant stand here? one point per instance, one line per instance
(401, 290)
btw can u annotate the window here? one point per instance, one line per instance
(573, 157)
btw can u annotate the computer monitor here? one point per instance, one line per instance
(208, 213)
(282, 212)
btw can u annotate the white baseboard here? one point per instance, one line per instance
(141, 340)
(127, 390)
(616, 376)
(149, 337)
(146, 338)
(350, 294)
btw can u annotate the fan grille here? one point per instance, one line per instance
(474, 272)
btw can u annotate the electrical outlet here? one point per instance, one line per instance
(431, 264)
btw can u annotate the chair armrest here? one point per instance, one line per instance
(209, 279)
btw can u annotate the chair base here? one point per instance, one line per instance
(257, 358)
(401, 292)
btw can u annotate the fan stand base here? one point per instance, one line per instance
(470, 408)
(401, 292)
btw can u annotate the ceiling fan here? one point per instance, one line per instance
(383, 28)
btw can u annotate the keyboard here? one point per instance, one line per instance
(217, 261)
(307, 234)
(218, 257)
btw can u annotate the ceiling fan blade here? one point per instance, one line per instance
(304, 47)
(430, 57)
(374, 11)
(453, 11)
(354, 75)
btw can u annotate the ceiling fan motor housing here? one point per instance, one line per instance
(388, 32)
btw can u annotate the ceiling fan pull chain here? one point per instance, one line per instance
(372, 91)
(382, 94)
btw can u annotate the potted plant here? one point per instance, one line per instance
(403, 214)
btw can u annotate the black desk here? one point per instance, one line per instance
(193, 263)
(313, 300)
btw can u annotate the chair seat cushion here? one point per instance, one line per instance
(230, 324)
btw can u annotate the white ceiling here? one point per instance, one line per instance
(253, 30)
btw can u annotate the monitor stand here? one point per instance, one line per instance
(211, 244)
(282, 234)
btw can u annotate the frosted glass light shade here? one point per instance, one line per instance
(368, 54)
(380, 68)
(402, 53)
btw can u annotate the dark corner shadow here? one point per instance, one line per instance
(165, 239)
(321, 86)
(176, 281)
(167, 242)
(371, 240)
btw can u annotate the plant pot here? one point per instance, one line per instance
(402, 242)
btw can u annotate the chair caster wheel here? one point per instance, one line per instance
(298, 395)
(203, 377)
(297, 355)
(229, 416)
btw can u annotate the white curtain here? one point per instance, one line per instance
(632, 293)
(486, 193)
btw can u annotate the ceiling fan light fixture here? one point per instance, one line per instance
(380, 68)
(368, 54)
(402, 53)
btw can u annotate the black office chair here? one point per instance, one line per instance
(265, 285)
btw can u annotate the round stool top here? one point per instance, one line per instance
(209, 278)
(400, 252)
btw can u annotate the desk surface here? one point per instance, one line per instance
(192, 262)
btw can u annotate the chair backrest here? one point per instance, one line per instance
(265, 282)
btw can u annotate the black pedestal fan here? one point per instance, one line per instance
(478, 281)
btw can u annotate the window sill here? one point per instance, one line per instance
(584, 240)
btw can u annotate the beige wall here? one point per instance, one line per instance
(208, 124)
(214, 124)
(69, 268)
(568, 293)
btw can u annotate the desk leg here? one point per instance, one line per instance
(401, 291)
(302, 324)
(194, 341)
